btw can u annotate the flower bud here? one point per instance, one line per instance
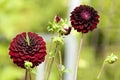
(111, 59)
(57, 18)
(28, 65)
(65, 31)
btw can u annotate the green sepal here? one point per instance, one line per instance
(28, 64)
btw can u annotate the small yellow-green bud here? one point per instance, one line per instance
(28, 65)
(111, 59)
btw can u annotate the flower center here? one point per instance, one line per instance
(85, 15)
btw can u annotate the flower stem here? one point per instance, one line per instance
(49, 71)
(50, 48)
(99, 74)
(26, 74)
(78, 57)
(60, 56)
(30, 75)
(47, 57)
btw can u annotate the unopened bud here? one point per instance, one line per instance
(111, 59)
(68, 30)
(57, 18)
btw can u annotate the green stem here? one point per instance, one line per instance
(30, 75)
(60, 56)
(50, 48)
(49, 71)
(47, 58)
(26, 74)
(78, 57)
(99, 74)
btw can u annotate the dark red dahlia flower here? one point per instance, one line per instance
(84, 18)
(27, 47)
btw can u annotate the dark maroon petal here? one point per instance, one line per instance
(68, 30)
(84, 18)
(20, 51)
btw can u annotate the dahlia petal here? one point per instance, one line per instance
(20, 51)
(84, 18)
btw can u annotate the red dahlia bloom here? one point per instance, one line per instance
(27, 47)
(84, 18)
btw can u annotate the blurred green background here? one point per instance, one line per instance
(17, 16)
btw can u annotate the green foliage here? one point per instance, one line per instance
(109, 18)
(11, 73)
